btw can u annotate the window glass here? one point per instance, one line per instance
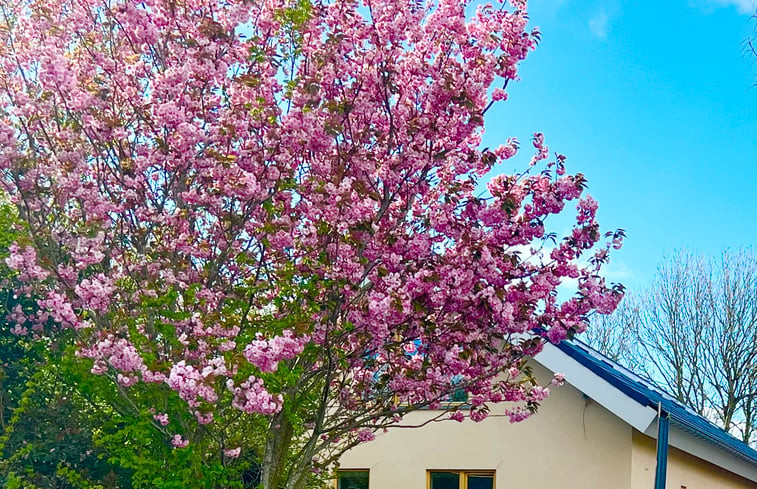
(352, 479)
(445, 480)
(478, 481)
(457, 396)
(461, 479)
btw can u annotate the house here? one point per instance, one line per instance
(599, 430)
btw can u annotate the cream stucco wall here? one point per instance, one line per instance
(684, 470)
(571, 443)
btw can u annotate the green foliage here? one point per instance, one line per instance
(62, 427)
(135, 444)
(46, 421)
(47, 440)
(72, 430)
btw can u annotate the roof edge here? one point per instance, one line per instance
(636, 401)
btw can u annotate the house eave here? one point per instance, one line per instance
(635, 408)
(639, 416)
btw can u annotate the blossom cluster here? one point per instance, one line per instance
(266, 354)
(25, 261)
(251, 396)
(95, 293)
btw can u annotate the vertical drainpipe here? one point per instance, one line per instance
(663, 422)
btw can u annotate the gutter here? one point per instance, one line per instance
(663, 428)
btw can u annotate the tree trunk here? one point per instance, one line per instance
(277, 446)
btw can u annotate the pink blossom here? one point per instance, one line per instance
(187, 381)
(366, 435)
(61, 310)
(127, 380)
(499, 94)
(178, 442)
(233, 452)
(478, 415)
(457, 416)
(538, 393)
(161, 418)
(266, 354)
(116, 352)
(204, 418)
(518, 414)
(25, 261)
(95, 293)
(252, 397)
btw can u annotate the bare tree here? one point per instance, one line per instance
(732, 366)
(694, 332)
(615, 334)
(675, 315)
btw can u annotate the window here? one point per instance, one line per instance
(460, 396)
(460, 479)
(352, 479)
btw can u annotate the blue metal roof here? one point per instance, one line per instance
(648, 394)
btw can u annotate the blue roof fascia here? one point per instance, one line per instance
(641, 391)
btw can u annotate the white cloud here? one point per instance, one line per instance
(747, 7)
(599, 24)
(617, 271)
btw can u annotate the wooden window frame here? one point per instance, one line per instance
(465, 474)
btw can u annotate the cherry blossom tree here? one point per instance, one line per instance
(272, 212)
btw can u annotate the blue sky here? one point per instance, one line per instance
(654, 102)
